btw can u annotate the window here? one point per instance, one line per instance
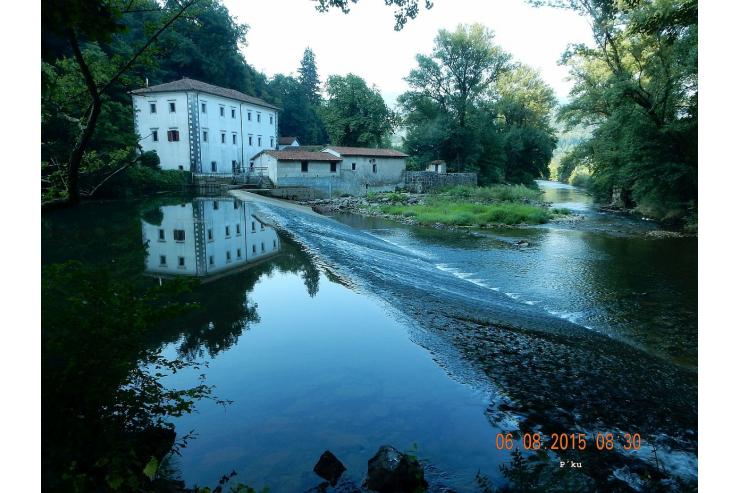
(179, 234)
(205, 135)
(228, 255)
(333, 167)
(161, 235)
(234, 166)
(272, 142)
(214, 168)
(253, 227)
(210, 260)
(228, 232)
(274, 244)
(233, 112)
(304, 166)
(238, 253)
(152, 107)
(236, 204)
(259, 117)
(221, 110)
(233, 139)
(181, 167)
(173, 135)
(263, 246)
(354, 166)
(250, 140)
(215, 205)
(238, 229)
(155, 135)
(375, 168)
(210, 234)
(172, 106)
(181, 261)
(270, 119)
(259, 141)
(254, 248)
(223, 137)
(162, 260)
(249, 116)
(203, 108)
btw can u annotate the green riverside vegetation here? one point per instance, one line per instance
(474, 206)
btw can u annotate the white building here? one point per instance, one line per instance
(202, 128)
(209, 236)
(284, 142)
(437, 166)
(335, 170)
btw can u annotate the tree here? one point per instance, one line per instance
(96, 21)
(405, 9)
(355, 114)
(298, 117)
(309, 76)
(470, 105)
(637, 91)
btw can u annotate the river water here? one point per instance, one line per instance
(348, 333)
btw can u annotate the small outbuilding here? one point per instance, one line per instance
(284, 142)
(437, 166)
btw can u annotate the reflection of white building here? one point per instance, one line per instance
(206, 237)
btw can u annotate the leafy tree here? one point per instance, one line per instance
(355, 114)
(405, 9)
(470, 105)
(309, 76)
(298, 117)
(637, 91)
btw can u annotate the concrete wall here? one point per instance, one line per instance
(426, 181)
(387, 177)
(249, 120)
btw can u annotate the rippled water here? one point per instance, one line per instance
(348, 333)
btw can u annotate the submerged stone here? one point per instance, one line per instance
(329, 467)
(391, 471)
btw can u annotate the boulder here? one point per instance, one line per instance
(329, 467)
(391, 471)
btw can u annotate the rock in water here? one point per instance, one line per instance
(390, 471)
(329, 467)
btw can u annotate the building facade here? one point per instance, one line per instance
(336, 170)
(208, 237)
(202, 128)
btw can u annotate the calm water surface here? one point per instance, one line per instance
(342, 335)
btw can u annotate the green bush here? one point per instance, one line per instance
(470, 214)
(512, 193)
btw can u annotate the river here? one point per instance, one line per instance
(347, 333)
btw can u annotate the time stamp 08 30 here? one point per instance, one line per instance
(569, 441)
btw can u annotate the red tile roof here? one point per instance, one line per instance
(186, 84)
(367, 151)
(302, 156)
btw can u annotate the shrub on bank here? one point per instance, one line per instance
(511, 193)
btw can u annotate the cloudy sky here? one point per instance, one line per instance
(363, 42)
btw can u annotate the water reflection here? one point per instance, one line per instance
(208, 237)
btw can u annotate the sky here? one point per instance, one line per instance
(364, 43)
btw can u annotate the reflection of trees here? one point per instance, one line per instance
(224, 308)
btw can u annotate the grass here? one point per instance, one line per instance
(507, 193)
(470, 214)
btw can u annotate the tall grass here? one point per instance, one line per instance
(470, 214)
(509, 193)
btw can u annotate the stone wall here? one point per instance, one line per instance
(427, 181)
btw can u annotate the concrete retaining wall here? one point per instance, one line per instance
(427, 181)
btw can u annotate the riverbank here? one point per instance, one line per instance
(482, 207)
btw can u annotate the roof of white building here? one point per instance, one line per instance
(186, 84)
(366, 151)
(301, 156)
(286, 140)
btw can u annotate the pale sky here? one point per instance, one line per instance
(363, 42)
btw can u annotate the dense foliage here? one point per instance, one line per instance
(637, 90)
(475, 108)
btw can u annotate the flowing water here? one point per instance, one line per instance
(347, 333)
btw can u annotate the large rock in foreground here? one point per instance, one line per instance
(329, 467)
(390, 471)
